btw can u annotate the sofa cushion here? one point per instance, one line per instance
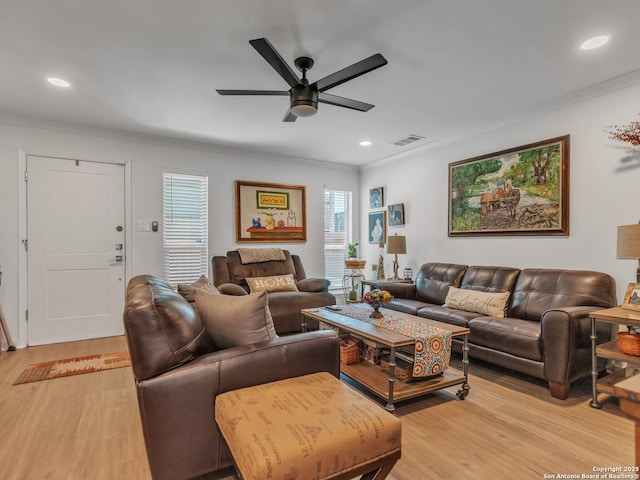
(273, 283)
(406, 305)
(434, 279)
(490, 279)
(314, 285)
(447, 315)
(236, 320)
(539, 290)
(521, 338)
(487, 303)
(189, 291)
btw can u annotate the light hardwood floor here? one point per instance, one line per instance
(87, 426)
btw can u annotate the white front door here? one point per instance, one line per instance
(76, 251)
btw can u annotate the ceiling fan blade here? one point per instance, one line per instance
(253, 92)
(344, 102)
(271, 55)
(289, 117)
(351, 72)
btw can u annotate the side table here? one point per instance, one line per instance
(628, 391)
(352, 280)
(609, 350)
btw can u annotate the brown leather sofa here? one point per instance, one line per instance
(284, 306)
(178, 375)
(546, 329)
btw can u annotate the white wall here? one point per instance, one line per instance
(604, 193)
(147, 156)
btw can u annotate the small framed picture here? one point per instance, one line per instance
(377, 228)
(376, 197)
(632, 297)
(396, 214)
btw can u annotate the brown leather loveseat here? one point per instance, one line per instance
(178, 374)
(285, 306)
(544, 330)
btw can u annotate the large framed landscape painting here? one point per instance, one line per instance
(270, 212)
(520, 191)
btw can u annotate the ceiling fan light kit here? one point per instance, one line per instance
(304, 97)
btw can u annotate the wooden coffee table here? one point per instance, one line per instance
(372, 377)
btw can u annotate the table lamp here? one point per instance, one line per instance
(629, 244)
(396, 244)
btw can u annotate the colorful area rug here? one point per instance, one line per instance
(73, 366)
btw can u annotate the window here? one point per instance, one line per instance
(185, 219)
(337, 233)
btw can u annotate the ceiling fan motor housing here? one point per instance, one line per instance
(304, 100)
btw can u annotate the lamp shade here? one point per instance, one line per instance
(397, 244)
(629, 241)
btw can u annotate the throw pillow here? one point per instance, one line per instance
(232, 321)
(189, 291)
(487, 303)
(275, 283)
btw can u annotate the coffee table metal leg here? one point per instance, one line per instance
(392, 378)
(464, 390)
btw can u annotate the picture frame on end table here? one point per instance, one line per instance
(632, 297)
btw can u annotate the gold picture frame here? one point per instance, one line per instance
(632, 297)
(520, 191)
(270, 212)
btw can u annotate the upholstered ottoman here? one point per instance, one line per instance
(307, 428)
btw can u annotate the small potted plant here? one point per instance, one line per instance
(353, 293)
(352, 262)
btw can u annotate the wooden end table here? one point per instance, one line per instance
(609, 350)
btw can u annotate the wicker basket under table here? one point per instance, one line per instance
(350, 350)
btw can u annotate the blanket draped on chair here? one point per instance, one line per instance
(258, 255)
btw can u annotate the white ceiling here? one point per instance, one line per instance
(455, 66)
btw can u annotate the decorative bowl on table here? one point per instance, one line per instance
(377, 298)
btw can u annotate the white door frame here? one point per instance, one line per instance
(21, 340)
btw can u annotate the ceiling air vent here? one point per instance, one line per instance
(407, 140)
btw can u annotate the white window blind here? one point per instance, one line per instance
(185, 227)
(337, 233)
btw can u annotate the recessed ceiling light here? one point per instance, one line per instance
(365, 143)
(595, 42)
(58, 82)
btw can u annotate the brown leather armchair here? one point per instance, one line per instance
(229, 273)
(178, 376)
